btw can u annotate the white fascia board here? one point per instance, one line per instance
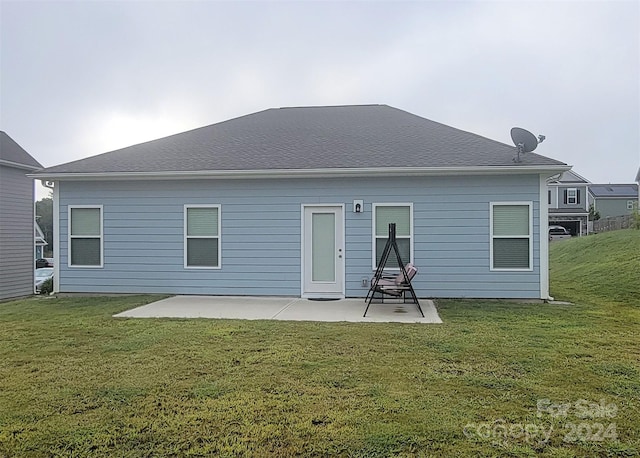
(306, 173)
(18, 165)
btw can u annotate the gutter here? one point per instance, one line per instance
(18, 165)
(302, 173)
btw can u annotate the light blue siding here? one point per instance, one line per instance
(261, 234)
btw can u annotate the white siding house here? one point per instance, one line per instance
(16, 219)
(296, 202)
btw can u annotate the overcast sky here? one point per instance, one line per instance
(80, 78)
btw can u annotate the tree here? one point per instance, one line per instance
(44, 217)
(593, 214)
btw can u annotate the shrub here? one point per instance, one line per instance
(635, 219)
(47, 287)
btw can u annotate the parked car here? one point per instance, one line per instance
(558, 233)
(44, 262)
(43, 274)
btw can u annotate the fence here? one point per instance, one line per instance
(613, 223)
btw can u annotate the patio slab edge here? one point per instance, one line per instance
(283, 309)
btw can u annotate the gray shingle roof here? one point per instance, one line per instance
(309, 138)
(614, 190)
(11, 152)
(571, 177)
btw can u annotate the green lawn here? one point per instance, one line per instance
(76, 382)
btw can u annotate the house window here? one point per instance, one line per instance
(630, 204)
(571, 196)
(402, 216)
(511, 236)
(85, 236)
(202, 236)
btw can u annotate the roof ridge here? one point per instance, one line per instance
(334, 106)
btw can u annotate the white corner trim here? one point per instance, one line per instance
(543, 222)
(56, 243)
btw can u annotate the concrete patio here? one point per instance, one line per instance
(284, 308)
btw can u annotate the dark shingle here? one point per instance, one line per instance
(614, 190)
(340, 137)
(10, 151)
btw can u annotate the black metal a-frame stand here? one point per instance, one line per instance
(397, 290)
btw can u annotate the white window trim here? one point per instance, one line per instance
(631, 205)
(491, 237)
(374, 237)
(219, 236)
(70, 237)
(572, 199)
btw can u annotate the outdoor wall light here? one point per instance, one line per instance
(358, 206)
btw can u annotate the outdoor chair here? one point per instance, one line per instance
(394, 285)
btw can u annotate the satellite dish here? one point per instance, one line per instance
(524, 140)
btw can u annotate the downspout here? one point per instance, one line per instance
(56, 233)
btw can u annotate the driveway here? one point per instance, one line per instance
(284, 308)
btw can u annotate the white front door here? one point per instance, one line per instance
(323, 251)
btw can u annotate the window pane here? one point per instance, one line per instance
(398, 215)
(511, 220)
(323, 247)
(202, 252)
(85, 252)
(404, 246)
(511, 253)
(202, 222)
(85, 221)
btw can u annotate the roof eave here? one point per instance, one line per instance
(305, 173)
(18, 165)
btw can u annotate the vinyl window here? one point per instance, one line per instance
(511, 236)
(572, 196)
(85, 236)
(202, 236)
(402, 216)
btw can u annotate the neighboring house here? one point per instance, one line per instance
(613, 199)
(568, 202)
(16, 219)
(297, 202)
(40, 242)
